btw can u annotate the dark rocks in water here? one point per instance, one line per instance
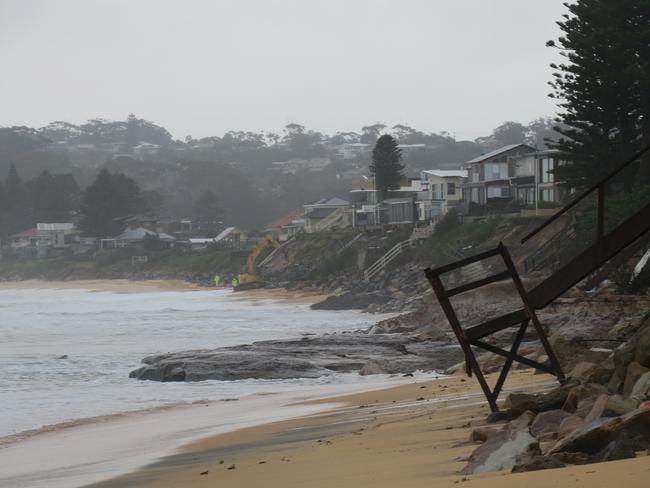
(308, 357)
(350, 301)
(64, 356)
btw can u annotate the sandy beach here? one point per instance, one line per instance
(145, 286)
(414, 435)
(115, 286)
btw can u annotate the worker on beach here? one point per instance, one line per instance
(234, 282)
(217, 280)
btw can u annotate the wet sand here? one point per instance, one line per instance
(115, 286)
(414, 435)
(146, 286)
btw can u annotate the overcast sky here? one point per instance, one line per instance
(203, 67)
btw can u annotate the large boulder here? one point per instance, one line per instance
(636, 349)
(569, 425)
(641, 390)
(642, 349)
(597, 435)
(482, 434)
(634, 371)
(582, 371)
(623, 447)
(503, 450)
(617, 405)
(547, 424)
(540, 402)
(537, 463)
(371, 368)
(518, 399)
(581, 398)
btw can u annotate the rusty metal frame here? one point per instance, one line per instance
(473, 336)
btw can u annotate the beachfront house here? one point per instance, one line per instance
(287, 226)
(534, 183)
(488, 178)
(231, 237)
(132, 237)
(443, 187)
(326, 214)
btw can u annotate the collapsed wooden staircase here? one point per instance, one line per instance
(608, 243)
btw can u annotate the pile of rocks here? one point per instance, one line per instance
(601, 414)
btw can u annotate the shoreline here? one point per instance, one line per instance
(413, 435)
(147, 286)
(132, 440)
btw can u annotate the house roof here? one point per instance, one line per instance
(140, 218)
(26, 233)
(286, 219)
(140, 233)
(497, 152)
(55, 226)
(446, 173)
(329, 202)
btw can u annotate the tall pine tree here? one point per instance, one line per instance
(603, 87)
(386, 166)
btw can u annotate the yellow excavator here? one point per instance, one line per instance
(249, 280)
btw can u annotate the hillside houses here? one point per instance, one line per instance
(511, 177)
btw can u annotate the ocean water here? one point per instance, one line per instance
(105, 335)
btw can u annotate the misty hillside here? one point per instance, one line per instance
(256, 176)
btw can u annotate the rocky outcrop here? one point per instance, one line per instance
(350, 301)
(308, 357)
(587, 420)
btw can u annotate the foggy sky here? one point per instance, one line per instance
(203, 67)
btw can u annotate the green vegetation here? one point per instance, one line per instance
(602, 87)
(386, 167)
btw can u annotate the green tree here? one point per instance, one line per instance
(53, 198)
(602, 87)
(3, 212)
(370, 133)
(107, 202)
(207, 211)
(386, 165)
(17, 214)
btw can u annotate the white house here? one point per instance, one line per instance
(443, 187)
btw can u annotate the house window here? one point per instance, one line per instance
(525, 167)
(496, 171)
(547, 195)
(546, 165)
(498, 191)
(451, 188)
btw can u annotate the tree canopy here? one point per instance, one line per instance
(386, 165)
(603, 86)
(108, 202)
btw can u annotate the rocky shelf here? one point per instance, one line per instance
(307, 357)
